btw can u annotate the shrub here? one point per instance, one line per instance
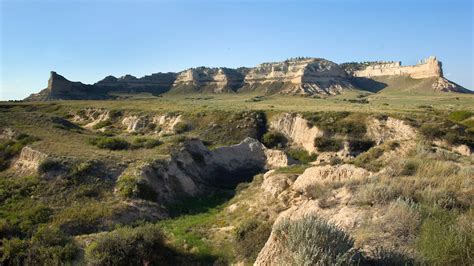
(110, 143)
(250, 238)
(48, 246)
(49, 165)
(274, 139)
(129, 246)
(312, 241)
(360, 145)
(147, 143)
(409, 167)
(327, 144)
(302, 155)
(181, 127)
(368, 159)
(133, 187)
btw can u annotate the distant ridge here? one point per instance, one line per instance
(297, 76)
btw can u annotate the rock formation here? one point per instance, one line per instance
(59, 88)
(429, 68)
(195, 168)
(155, 83)
(298, 76)
(301, 76)
(213, 80)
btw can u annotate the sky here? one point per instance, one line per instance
(88, 40)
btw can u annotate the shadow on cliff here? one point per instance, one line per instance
(368, 84)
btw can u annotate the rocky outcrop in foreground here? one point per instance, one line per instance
(301, 76)
(195, 168)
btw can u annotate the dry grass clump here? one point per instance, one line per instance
(423, 179)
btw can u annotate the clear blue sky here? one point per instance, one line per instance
(88, 40)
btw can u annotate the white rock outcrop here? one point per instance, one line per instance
(302, 76)
(428, 68)
(390, 129)
(29, 159)
(297, 129)
(328, 174)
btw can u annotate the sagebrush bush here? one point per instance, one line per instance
(181, 127)
(129, 246)
(274, 139)
(327, 144)
(302, 155)
(312, 241)
(368, 159)
(134, 187)
(110, 143)
(48, 246)
(147, 143)
(49, 165)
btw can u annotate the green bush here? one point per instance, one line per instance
(368, 159)
(250, 238)
(133, 187)
(129, 246)
(49, 165)
(147, 143)
(48, 246)
(274, 139)
(181, 127)
(312, 241)
(409, 167)
(110, 143)
(327, 144)
(360, 145)
(302, 155)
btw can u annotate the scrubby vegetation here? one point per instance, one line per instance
(134, 187)
(274, 139)
(327, 144)
(312, 241)
(82, 205)
(113, 143)
(131, 246)
(302, 156)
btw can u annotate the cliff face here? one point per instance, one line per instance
(154, 83)
(429, 68)
(60, 88)
(203, 79)
(303, 76)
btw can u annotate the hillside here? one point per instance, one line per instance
(205, 178)
(300, 76)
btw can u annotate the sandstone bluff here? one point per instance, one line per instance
(300, 76)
